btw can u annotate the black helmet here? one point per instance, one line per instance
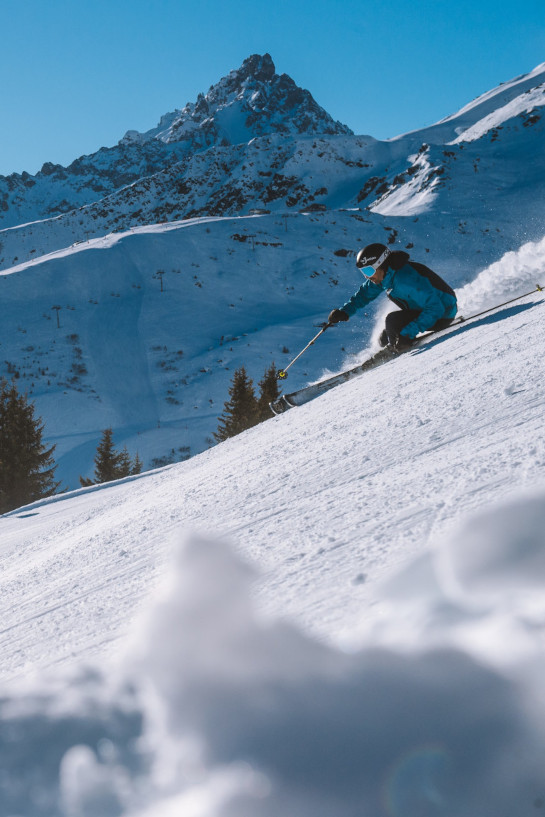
(373, 256)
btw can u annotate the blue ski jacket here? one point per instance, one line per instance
(410, 286)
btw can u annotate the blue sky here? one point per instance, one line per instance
(76, 74)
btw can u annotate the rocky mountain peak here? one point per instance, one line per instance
(260, 68)
(250, 101)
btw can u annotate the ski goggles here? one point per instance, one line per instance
(369, 267)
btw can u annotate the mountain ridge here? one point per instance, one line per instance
(286, 172)
(251, 101)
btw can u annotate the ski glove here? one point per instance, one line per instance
(337, 315)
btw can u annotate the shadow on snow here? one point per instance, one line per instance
(458, 329)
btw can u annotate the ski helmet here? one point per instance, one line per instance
(371, 258)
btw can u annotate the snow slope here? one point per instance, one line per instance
(156, 366)
(451, 127)
(388, 659)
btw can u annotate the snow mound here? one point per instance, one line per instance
(501, 558)
(217, 711)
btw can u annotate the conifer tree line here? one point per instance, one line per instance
(111, 464)
(243, 409)
(27, 468)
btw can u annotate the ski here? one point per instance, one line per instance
(308, 393)
(304, 395)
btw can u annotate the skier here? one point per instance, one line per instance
(425, 300)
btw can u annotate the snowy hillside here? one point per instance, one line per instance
(156, 365)
(505, 98)
(241, 289)
(388, 660)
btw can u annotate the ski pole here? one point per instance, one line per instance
(283, 373)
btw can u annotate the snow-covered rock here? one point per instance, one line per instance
(251, 101)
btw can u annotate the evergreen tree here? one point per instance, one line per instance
(269, 391)
(125, 464)
(108, 462)
(111, 464)
(241, 411)
(137, 464)
(26, 464)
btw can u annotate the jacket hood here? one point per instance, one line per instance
(397, 260)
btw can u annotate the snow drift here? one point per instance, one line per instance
(217, 710)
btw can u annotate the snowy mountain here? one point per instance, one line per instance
(257, 141)
(249, 102)
(167, 280)
(386, 660)
(252, 101)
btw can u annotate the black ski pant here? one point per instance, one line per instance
(398, 320)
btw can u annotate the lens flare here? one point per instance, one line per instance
(417, 784)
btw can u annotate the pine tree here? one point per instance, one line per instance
(269, 391)
(125, 464)
(26, 464)
(137, 465)
(108, 462)
(111, 464)
(241, 411)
